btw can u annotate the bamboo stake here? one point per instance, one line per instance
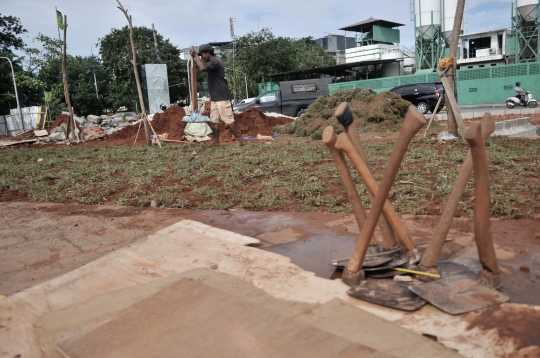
(71, 119)
(136, 72)
(138, 130)
(433, 115)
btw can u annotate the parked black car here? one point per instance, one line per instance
(423, 95)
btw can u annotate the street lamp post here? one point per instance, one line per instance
(16, 95)
(245, 79)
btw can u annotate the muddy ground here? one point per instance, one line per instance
(40, 241)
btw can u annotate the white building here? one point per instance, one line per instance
(484, 49)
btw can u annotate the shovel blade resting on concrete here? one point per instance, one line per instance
(458, 294)
(387, 293)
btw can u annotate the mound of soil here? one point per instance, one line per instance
(385, 110)
(62, 118)
(249, 123)
(169, 122)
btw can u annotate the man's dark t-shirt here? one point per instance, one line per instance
(217, 83)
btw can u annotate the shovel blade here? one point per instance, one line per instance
(387, 293)
(458, 294)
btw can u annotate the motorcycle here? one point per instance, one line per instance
(528, 101)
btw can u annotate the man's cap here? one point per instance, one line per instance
(205, 47)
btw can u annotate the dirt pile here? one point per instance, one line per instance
(384, 110)
(169, 122)
(249, 123)
(62, 118)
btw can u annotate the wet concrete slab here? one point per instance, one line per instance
(41, 241)
(313, 240)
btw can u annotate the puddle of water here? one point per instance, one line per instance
(316, 253)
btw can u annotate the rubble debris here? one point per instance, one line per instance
(95, 119)
(58, 134)
(41, 133)
(386, 109)
(261, 137)
(94, 133)
(403, 278)
(160, 138)
(250, 123)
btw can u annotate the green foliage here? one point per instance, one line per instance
(47, 63)
(115, 51)
(10, 29)
(261, 54)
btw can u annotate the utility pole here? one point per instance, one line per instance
(232, 20)
(451, 72)
(158, 58)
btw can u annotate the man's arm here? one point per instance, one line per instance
(195, 55)
(200, 64)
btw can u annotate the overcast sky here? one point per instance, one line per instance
(193, 22)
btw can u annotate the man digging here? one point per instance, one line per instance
(219, 91)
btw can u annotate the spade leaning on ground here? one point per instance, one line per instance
(221, 108)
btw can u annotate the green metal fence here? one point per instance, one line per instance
(475, 86)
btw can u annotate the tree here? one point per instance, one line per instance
(7, 94)
(10, 29)
(115, 51)
(261, 54)
(47, 64)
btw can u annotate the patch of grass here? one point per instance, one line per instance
(291, 174)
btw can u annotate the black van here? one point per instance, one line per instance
(423, 95)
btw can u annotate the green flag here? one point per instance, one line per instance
(59, 20)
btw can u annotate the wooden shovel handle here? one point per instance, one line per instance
(329, 138)
(343, 143)
(345, 116)
(482, 205)
(193, 74)
(411, 125)
(434, 249)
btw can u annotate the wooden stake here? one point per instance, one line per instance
(136, 72)
(433, 115)
(453, 117)
(71, 119)
(453, 108)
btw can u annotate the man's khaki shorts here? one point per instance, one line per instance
(221, 110)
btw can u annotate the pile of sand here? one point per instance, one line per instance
(386, 108)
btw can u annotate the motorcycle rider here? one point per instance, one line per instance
(519, 93)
